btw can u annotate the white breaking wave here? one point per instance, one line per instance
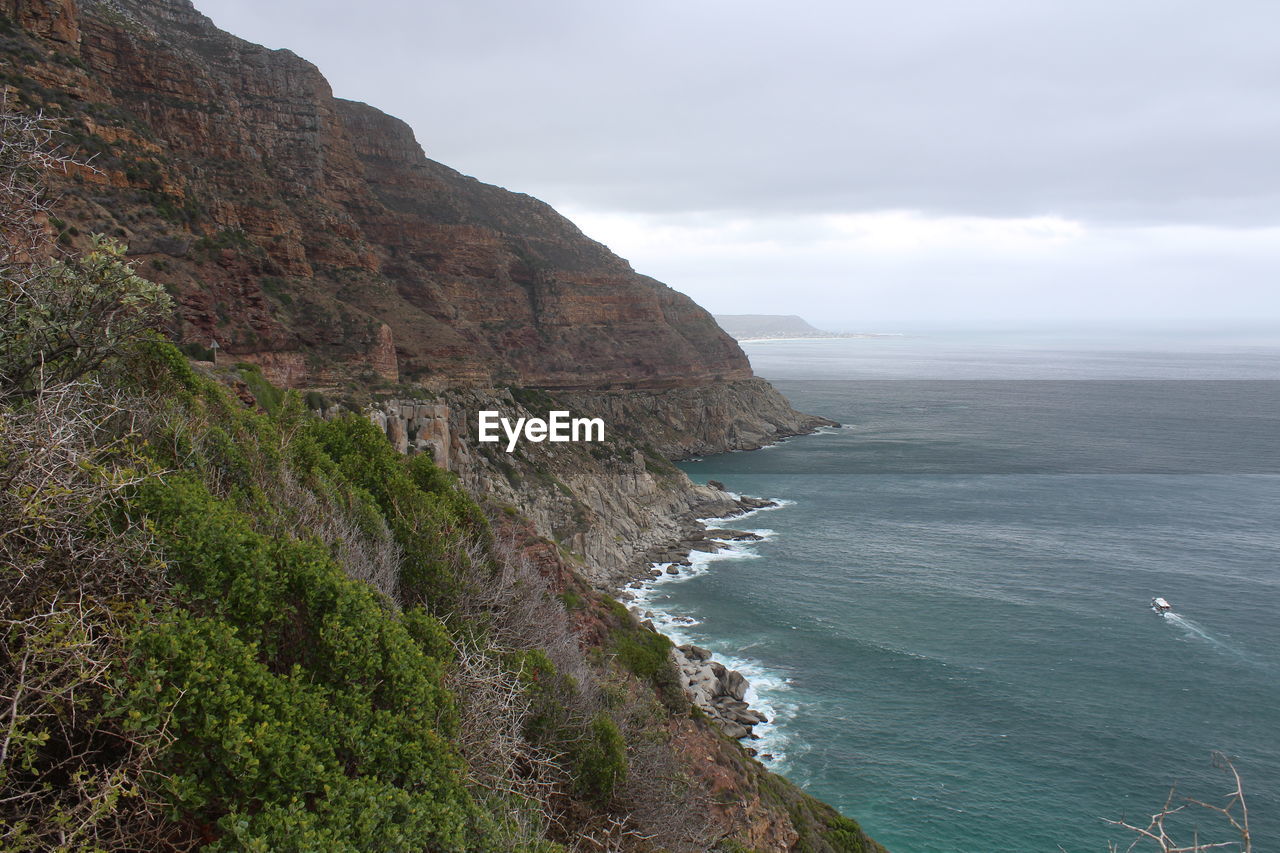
(717, 521)
(767, 690)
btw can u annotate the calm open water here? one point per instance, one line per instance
(949, 617)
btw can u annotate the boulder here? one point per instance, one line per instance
(733, 535)
(696, 652)
(735, 684)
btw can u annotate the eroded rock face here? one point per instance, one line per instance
(313, 229)
(606, 504)
(614, 507)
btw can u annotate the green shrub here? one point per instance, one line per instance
(315, 401)
(647, 654)
(302, 710)
(643, 652)
(431, 518)
(552, 694)
(600, 760)
(199, 352)
(72, 316)
(269, 397)
(429, 633)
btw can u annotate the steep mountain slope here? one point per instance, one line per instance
(312, 235)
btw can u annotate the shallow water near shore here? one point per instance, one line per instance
(949, 619)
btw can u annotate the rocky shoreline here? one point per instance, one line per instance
(713, 688)
(719, 692)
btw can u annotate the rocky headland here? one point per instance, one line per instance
(316, 245)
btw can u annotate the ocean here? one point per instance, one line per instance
(948, 620)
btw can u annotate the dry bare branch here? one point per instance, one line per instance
(1158, 835)
(373, 558)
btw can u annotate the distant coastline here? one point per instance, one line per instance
(823, 336)
(779, 327)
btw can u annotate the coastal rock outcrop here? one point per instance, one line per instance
(719, 692)
(612, 505)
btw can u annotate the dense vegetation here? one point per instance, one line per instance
(261, 687)
(225, 622)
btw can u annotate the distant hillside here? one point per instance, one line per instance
(750, 326)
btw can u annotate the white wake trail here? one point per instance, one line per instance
(1194, 631)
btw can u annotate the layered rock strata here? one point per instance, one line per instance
(313, 236)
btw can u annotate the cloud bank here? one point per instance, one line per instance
(927, 162)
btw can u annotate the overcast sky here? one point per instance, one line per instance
(886, 166)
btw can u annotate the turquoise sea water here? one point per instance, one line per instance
(949, 617)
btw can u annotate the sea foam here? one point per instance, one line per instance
(768, 691)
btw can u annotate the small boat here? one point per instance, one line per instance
(1159, 605)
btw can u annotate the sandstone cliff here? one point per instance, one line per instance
(312, 235)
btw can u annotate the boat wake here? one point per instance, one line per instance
(1193, 631)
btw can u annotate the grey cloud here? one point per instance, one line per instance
(710, 141)
(1141, 110)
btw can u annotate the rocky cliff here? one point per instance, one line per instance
(616, 505)
(312, 235)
